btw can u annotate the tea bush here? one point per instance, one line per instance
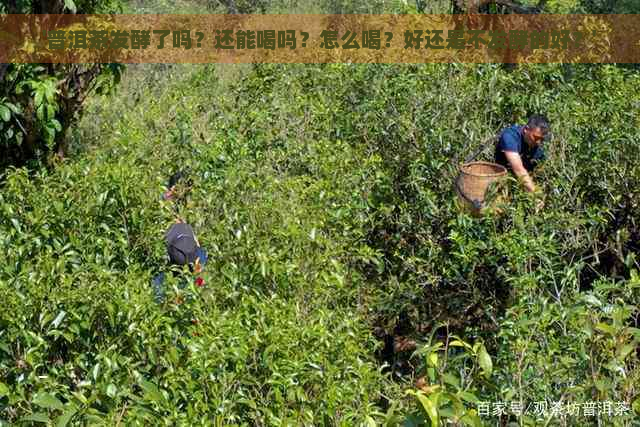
(323, 194)
(83, 339)
(425, 262)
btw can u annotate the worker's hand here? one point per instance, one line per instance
(520, 171)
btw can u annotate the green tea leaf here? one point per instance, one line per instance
(48, 401)
(606, 328)
(111, 390)
(69, 4)
(5, 113)
(38, 98)
(472, 419)
(152, 392)
(625, 350)
(39, 417)
(469, 397)
(433, 359)
(64, 419)
(485, 361)
(429, 408)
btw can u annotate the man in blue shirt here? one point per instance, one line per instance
(520, 148)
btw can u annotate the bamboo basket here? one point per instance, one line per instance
(473, 181)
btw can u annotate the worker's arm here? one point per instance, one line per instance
(518, 168)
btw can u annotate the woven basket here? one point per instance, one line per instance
(473, 181)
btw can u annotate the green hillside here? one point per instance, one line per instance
(344, 284)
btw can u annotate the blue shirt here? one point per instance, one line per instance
(512, 139)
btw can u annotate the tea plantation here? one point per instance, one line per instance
(344, 284)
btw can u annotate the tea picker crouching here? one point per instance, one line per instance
(183, 249)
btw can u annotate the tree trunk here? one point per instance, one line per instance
(3, 70)
(231, 7)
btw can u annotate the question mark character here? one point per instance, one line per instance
(389, 37)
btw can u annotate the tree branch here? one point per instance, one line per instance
(516, 7)
(3, 69)
(473, 6)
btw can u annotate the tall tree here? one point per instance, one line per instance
(40, 102)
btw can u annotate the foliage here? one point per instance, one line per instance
(424, 261)
(40, 102)
(323, 196)
(604, 6)
(83, 340)
(540, 6)
(448, 386)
